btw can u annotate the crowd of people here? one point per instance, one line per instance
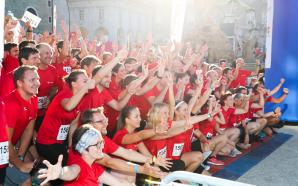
(76, 113)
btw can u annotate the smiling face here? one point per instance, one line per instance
(134, 118)
(30, 83)
(100, 122)
(95, 150)
(46, 54)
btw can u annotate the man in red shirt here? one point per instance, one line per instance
(21, 112)
(27, 56)
(3, 143)
(240, 74)
(48, 81)
(10, 61)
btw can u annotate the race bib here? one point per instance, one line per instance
(63, 132)
(209, 135)
(3, 153)
(41, 102)
(162, 153)
(177, 149)
(67, 69)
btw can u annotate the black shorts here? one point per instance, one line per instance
(52, 152)
(242, 134)
(38, 122)
(196, 146)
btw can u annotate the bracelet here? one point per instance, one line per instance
(29, 30)
(136, 168)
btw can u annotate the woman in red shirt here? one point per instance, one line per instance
(60, 117)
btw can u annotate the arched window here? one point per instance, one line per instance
(32, 10)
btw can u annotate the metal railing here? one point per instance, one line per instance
(198, 179)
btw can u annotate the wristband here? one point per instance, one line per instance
(29, 30)
(136, 168)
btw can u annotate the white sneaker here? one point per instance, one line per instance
(237, 151)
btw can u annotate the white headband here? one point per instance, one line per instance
(87, 139)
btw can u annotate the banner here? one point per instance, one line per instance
(283, 56)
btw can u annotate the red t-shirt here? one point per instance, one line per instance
(179, 144)
(19, 112)
(3, 137)
(241, 79)
(157, 148)
(55, 126)
(7, 84)
(110, 147)
(48, 80)
(206, 126)
(227, 114)
(9, 64)
(89, 175)
(95, 99)
(118, 137)
(62, 68)
(112, 114)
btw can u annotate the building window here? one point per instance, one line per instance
(101, 15)
(32, 10)
(49, 3)
(82, 16)
(50, 19)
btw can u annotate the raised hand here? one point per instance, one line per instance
(122, 54)
(52, 172)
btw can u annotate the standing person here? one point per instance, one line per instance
(10, 61)
(3, 143)
(48, 81)
(20, 124)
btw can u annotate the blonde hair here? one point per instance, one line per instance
(154, 116)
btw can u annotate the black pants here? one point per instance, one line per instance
(2, 174)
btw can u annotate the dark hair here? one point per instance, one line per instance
(233, 64)
(87, 115)
(222, 61)
(117, 67)
(226, 70)
(127, 80)
(239, 89)
(73, 76)
(180, 76)
(224, 97)
(77, 135)
(9, 46)
(96, 69)
(18, 74)
(25, 53)
(26, 43)
(129, 60)
(125, 112)
(87, 60)
(60, 44)
(74, 51)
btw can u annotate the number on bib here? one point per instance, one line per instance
(41, 102)
(177, 149)
(162, 153)
(3, 153)
(67, 69)
(63, 132)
